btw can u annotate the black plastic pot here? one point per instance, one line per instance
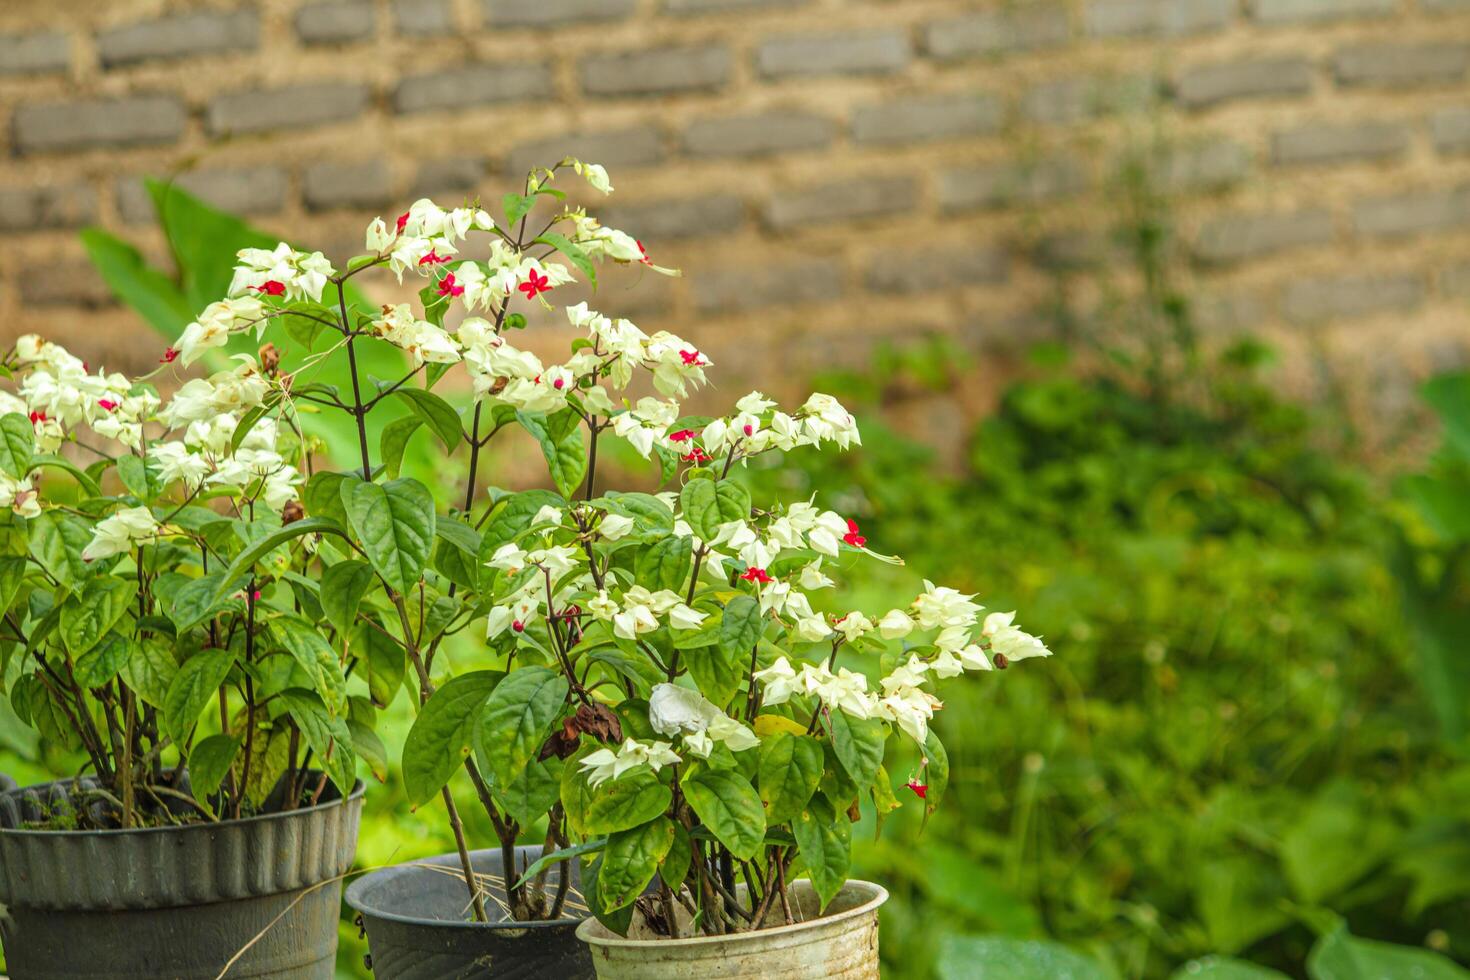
(419, 926)
(174, 902)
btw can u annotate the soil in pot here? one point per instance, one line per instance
(174, 901)
(840, 942)
(420, 927)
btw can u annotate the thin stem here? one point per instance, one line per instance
(476, 898)
(358, 413)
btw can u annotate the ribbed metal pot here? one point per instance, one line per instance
(174, 902)
(419, 925)
(841, 944)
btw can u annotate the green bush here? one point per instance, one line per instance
(1231, 739)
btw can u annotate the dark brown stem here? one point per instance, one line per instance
(457, 826)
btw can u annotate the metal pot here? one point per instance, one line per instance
(419, 925)
(177, 901)
(840, 944)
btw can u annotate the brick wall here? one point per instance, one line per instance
(827, 172)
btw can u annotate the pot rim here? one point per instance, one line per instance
(353, 892)
(585, 931)
(359, 790)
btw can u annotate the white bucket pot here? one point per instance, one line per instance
(841, 944)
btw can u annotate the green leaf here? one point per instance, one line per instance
(99, 665)
(193, 686)
(56, 541)
(17, 444)
(560, 438)
(395, 440)
(528, 796)
(512, 515)
(394, 523)
(1449, 396)
(555, 857)
(316, 657)
(343, 586)
(707, 505)
(323, 496)
(146, 290)
(730, 808)
(440, 739)
(649, 513)
(631, 860)
(210, 761)
(89, 615)
(240, 568)
(859, 745)
(665, 564)
(517, 719)
(719, 670)
(383, 658)
(675, 866)
(437, 413)
(1341, 956)
(196, 600)
(1224, 968)
(57, 463)
(936, 773)
(517, 206)
(790, 769)
(1001, 958)
(824, 838)
(12, 573)
(151, 670)
(327, 735)
(573, 253)
(623, 803)
(368, 747)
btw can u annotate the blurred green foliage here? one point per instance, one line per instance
(1233, 738)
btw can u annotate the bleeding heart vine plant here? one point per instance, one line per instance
(651, 679)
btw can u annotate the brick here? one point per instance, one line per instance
(1390, 65)
(1230, 313)
(293, 107)
(549, 13)
(660, 71)
(1246, 235)
(910, 271)
(336, 21)
(1450, 129)
(1276, 12)
(1417, 212)
(1153, 18)
(639, 146)
(1074, 249)
(930, 117)
(1205, 166)
(736, 290)
(998, 184)
(683, 217)
(138, 120)
(1345, 297)
(256, 190)
(692, 7)
(36, 208)
(1445, 6)
(473, 85)
(1071, 100)
(1339, 142)
(844, 200)
(1211, 84)
(34, 54)
(64, 282)
(181, 35)
(757, 135)
(423, 18)
(449, 177)
(1455, 281)
(347, 185)
(838, 53)
(991, 33)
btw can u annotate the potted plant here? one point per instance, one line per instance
(654, 679)
(163, 624)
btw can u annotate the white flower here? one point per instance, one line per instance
(673, 710)
(297, 274)
(115, 535)
(175, 462)
(19, 496)
(604, 764)
(682, 617)
(947, 665)
(812, 577)
(754, 403)
(601, 607)
(614, 526)
(894, 624)
(1010, 641)
(826, 536)
(595, 175)
(942, 606)
(853, 626)
(633, 620)
(778, 682)
(910, 709)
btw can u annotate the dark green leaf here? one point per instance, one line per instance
(560, 438)
(518, 718)
(729, 806)
(394, 523)
(790, 769)
(824, 838)
(209, 762)
(437, 413)
(665, 564)
(631, 860)
(195, 684)
(17, 444)
(327, 735)
(440, 739)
